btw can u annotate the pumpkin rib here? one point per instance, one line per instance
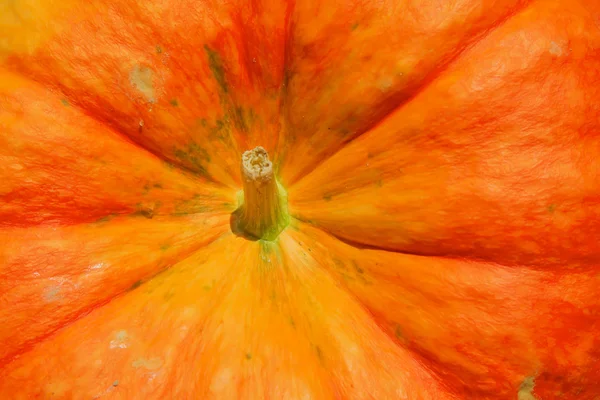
(408, 297)
(432, 77)
(85, 178)
(364, 84)
(99, 330)
(446, 176)
(75, 269)
(232, 359)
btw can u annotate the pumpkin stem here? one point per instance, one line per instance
(263, 214)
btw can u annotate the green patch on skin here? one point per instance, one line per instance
(379, 183)
(168, 165)
(398, 332)
(266, 247)
(195, 155)
(195, 205)
(159, 50)
(106, 218)
(327, 196)
(218, 132)
(319, 353)
(149, 186)
(287, 77)
(354, 26)
(115, 383)
(216, 66)
(526, 389)
(338, 263)
(174, 102)
(143, 211)
(179, 213)
(165, 247)
(551, 208)
(248, 356)
(65, 102)
(169, 295)
(239, 120)
(342, 269)
(136, 285)
(357, 267)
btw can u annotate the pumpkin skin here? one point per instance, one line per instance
(442, 165)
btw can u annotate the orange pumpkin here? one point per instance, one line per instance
(420, 221)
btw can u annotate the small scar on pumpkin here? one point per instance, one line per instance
(526, 389)
(140, 78)
(52, 294)
(150, 364)
(354, 26)
(64, 102)
(159, 50)
(551, 208)
(248, 356)
(174, 102)
(115, 383)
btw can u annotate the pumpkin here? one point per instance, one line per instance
(308, 199)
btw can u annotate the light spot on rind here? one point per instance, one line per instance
(526, 390)
(385, 84)
(140, 78)
(120, 340)
(150, 364)
(52, 294)
(221, 380)
(556, 49)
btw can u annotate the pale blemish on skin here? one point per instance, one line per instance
(221, 380)
(140, 78)
(52, 294)
(526, 390)
(556, 49)
(120, 340)
(385, 84)
(97, 266)
(150, 364)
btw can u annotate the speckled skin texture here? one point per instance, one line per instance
(442, 166)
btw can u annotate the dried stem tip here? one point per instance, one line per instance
(263, 215)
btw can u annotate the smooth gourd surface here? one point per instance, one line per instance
(442, 165)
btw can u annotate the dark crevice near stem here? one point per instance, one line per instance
(283, 93)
